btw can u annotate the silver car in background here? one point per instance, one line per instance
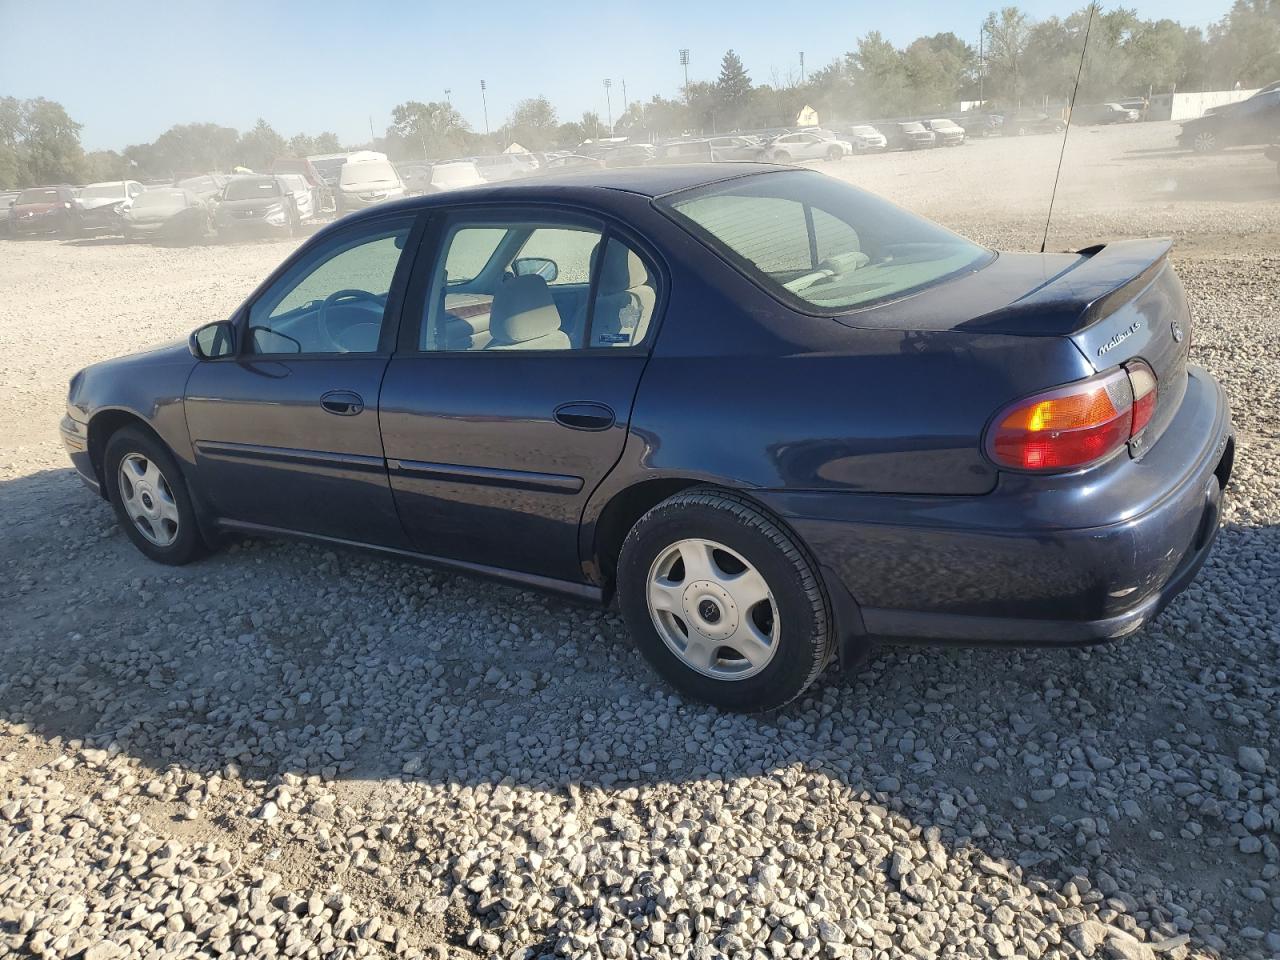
(366, 183)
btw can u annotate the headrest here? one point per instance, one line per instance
(523, 310)
(622, 269)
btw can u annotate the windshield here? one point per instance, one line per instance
(943, 125)
(160, 199)
(38, 195)
(865, 131)
(818, 242)
(103, 191)
(252, 188)
(913, 127)
(370, 171)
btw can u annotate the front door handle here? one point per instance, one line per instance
(585, 415)
(345, 403)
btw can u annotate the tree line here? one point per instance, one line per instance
(1015, 63)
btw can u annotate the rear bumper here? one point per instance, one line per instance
(1064, 560)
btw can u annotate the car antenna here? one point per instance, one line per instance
(1067, 129)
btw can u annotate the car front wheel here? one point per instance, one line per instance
(834, 153)
(724, 603)
(781, 156)
(1206, 141)
(150, 498)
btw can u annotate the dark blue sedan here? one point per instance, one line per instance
(774, 415)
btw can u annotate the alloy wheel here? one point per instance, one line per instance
(713, 609)
(148, 499)
(1205, 142)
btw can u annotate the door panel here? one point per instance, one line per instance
(481, 468)
(274, 447)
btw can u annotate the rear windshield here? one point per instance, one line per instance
(818, 242)
(38, 195)
(250, 188)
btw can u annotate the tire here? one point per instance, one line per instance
(781, 156)
(1206, 141)
(164, 503)
(835, 153)
(788, 633)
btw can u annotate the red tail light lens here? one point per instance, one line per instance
(1142, 380)
(1075, 425)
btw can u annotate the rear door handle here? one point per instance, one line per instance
(345, 403)
(585, 415)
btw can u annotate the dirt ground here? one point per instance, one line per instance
(419, 763)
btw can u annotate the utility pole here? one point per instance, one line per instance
(448, 96)
(684, 62)
(609, 102)
(484, 100)
(982, 64)
(802, 68)
(373, 140)
(625, 105)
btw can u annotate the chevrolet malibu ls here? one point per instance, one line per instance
(773, 414)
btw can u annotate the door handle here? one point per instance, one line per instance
(585, 415)
(344, 403)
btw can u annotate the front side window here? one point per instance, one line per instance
(536, 286)
(333, 301)
(819, 243)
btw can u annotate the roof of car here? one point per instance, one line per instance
(654, 180)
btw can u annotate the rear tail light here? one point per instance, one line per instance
(1075, 425)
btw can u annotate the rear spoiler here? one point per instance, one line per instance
(1103, 280)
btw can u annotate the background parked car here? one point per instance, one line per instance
(255, 205)
(867, 139)
(207, 186)
(506, 166)
(736, 148)
(1104, 113)
(102, 205)
(1250, 122)
(980, 124)
(168, 213)
(453, 175)
(950, 133)
(908, 135)
(630, 155)
(415, 174)
(572, 161)
(366, 183)
(1025, 124)
(685, 151)
(302, 194)
(808, 146)
(45, 211)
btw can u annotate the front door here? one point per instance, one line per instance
(508, 401)
(286, 432)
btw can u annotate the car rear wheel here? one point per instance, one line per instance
(834, 153)
(150, 498)
(1206, 141)
(726, 606)
(781, 156)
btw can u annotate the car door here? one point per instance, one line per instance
(503, 409)
(286, 431)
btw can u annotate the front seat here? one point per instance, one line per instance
(626, 301)
(523, 316)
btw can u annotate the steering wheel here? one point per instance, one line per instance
(342, 297)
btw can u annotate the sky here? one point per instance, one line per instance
(130, 70)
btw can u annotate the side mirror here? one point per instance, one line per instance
(535, 266)
(213, 341)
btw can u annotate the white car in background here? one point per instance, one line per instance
(365, 183)
(506, 166)
(453, 175)
(102, 206)
(808, 146)
(867, 139)
(304, 201)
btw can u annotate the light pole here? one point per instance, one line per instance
(448, 98)
(608, 99)
(484, 100)
(684, 62)
(802, 68)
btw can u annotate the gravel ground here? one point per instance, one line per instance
(284, 750)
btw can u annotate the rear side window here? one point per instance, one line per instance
(821, 244)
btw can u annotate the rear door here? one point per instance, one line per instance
(508, 399)
(286, 432)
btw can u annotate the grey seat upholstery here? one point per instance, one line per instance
(524, 316)
(626, 300)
